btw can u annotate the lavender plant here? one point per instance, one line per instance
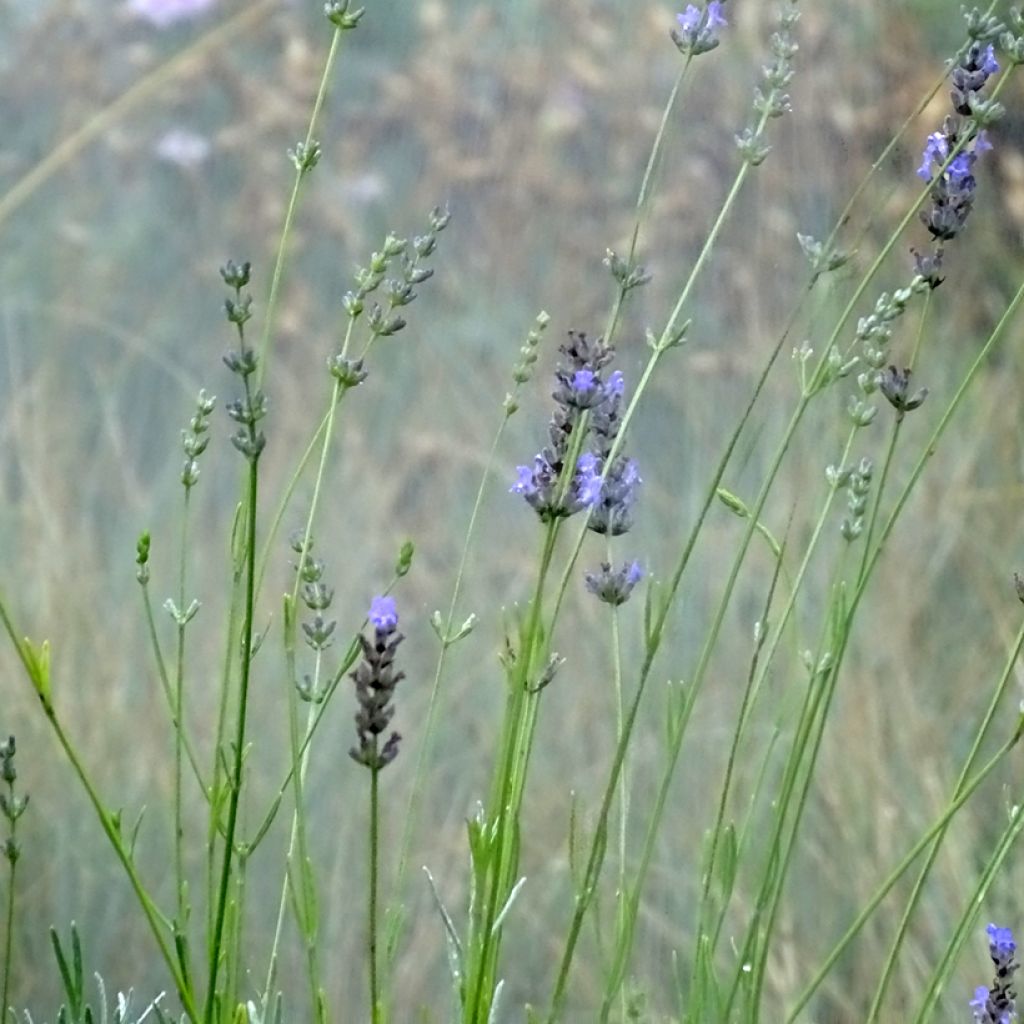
(581, 489)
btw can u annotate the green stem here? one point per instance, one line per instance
(111, 826)
(235, 782)
(179, 729)
(12, 860)
(965, 771)
(165, 684)
(895, 875)
(375, 1002)
(891, 450)
(928, 451)
(643, 197)
(508, 785)
(219, 770)
(301, 171)
(419, 776)
(970, 915)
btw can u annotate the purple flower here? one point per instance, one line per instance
(383, 615)
(376, 678)
(579, 394)
(952, 193)
(163, 13)
(1000, 944)
(613, 586)
(585, 390)
(935, 152)
(997, 1004)
(989, 63)
(969, 77)
(587, 481)
(697, 32)
(613, 513)
(540, 486)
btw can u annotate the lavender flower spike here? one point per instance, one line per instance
(375, 678)
(998, 1004)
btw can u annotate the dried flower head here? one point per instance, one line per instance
(895, 385)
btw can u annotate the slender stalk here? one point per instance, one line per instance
(620, 724)
(245, 654)
(893, 438)
(419, 775)
(5, 987)
(219, 769)
(158, 922)
(896, 874)
(179, 729)
(965, 771)
(301, 170)
(165, 684)
(643, 197)
(375, 1000)
(11, 856)
(928, 451)
(970, 915)
(505, 801)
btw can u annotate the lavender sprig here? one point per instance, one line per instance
(997, 1003)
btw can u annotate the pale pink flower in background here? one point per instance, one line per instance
(183, 147)
(162, 13)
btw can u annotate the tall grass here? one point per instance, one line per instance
(676, 749)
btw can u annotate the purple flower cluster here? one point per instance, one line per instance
(997, 1004)
(584, 399)
(590, 401)
(978, 65)
(953, 186)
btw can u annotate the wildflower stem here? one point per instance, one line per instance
(970, 915)
(158, 923)
(915, 894)
(235, 781)
(508, 786)
(374, 830)
(643, 197)
(5, 988)
(928, 451)
(653, 644)
(896, 874)
(179, 727)
(301, 170)
(165, 684)
(12, 871)
(419, 775)
(621, 906)
(891, 449)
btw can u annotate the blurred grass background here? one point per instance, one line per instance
(534, 121)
